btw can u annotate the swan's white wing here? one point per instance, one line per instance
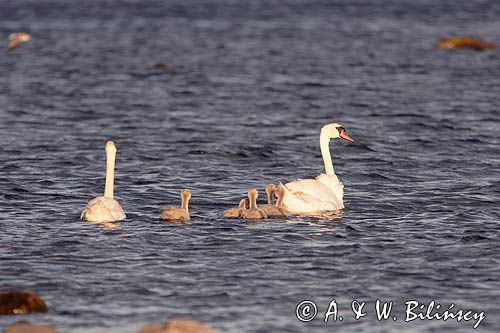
(334, 184)
(294, 202)
(313, 188)
(306, 196)
(301, 203)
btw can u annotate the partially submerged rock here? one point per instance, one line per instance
(161, 65)
(177, 326)
(26, 327)
(17, 302)
(457, 42)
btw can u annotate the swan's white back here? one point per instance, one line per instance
(102, 209)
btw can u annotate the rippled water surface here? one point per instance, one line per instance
(249, 85)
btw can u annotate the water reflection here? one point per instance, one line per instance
(105, 225)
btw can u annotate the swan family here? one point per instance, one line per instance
(300, 197)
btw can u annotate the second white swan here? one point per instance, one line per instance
(326, 192)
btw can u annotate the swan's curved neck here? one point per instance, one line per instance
(324, 144)
(110, 173)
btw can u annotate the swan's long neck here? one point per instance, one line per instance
(253, 201)
(185, 203)
(324, 144)
(279, 202)
(269, 196)
(110, 172)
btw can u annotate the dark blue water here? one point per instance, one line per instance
(249, 85)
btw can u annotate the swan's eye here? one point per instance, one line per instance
(340, 129)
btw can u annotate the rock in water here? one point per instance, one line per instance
(20, 302)
(178, 326)
(465, 42)
(25, 327)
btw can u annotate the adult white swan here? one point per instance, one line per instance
(325, 193)
(105, 208)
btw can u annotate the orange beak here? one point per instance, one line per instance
(346, 137)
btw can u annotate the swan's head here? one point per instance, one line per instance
(243, 203)
(280, 191)
(270, 188)
(110, 147)
(335, 131)
(185, 194)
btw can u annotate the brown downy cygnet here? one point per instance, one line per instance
(105, 208)
(254, 212)
(15, 39)
(270, 209)
(175, 214)
(234, 213)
